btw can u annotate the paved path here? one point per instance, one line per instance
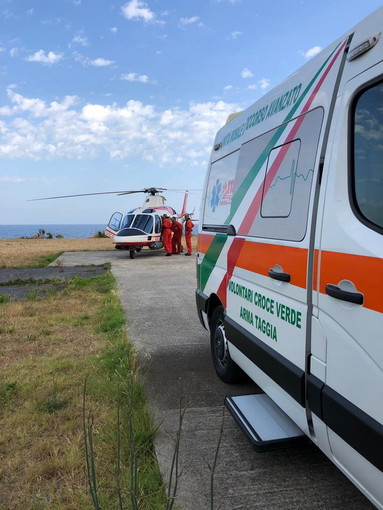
(157, 293)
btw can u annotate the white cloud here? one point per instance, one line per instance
(228, 87)
(235, 34)
(63, 128)
(6, 178)
(33, 106)
(264, 83)
(114, 30)
(45, 58)
(246, 73)
(311, 52)
(14, 52)
(188, 21)
(137, 10)
(79, 39)
(97, 62)
(142, 78)
(100, 62)
(5, 111)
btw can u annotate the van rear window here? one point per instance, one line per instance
(368, 156)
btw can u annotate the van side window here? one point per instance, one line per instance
(284, 181)
(367, 178)
(277, 198)
(220, 189)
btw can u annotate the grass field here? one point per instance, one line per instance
(37, 252)
(34, 252)
(49, 347)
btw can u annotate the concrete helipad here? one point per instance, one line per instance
(157, 293)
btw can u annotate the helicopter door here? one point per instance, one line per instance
(157, 225)
(114, 224)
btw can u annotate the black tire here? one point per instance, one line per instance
(132, 254)
(227, 370)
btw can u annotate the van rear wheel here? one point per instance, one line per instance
(227, 370)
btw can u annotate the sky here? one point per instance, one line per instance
(106, 95)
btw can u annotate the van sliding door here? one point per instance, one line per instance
(267, 291)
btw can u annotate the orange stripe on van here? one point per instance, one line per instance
(260, 257)
(366, 273)
(204, 241)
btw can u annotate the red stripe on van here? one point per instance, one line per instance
(233, 255)
(366, 273)
(299, 270)
(256, 202)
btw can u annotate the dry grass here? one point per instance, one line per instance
(46, 350)
(24, 252)
(27, 252)
(48, 347)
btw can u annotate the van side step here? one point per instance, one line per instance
(264, 423)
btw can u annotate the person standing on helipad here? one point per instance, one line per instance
(177, 236)
(188, 234)
(167, 234)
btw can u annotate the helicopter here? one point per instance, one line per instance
(140, 227)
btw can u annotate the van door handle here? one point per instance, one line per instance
(337, 293)
(276, 275)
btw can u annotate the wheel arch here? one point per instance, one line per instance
(212, 304)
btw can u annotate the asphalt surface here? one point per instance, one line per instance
(19, 284)
(157, 294)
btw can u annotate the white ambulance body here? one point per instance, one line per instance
(290, 248)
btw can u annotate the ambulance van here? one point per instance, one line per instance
(289, 256)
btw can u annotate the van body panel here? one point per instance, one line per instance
(291, 246)
(350, 257)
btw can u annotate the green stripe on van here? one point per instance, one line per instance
(215, 248)
(210, 259)
(252, 174)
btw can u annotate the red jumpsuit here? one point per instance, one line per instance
(188, 234)
(167, 234)
(177, 236)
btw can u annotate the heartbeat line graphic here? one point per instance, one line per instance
(293, 176)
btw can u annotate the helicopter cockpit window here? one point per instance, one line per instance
(148, 210)
(143, 222)
(127, 221)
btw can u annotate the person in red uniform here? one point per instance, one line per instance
(167, 234)
(177, 236)
(188, 234)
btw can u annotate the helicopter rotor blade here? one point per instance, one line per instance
(122, 192)
(151, 191)
(81, 195)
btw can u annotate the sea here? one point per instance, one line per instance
(68, 231)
